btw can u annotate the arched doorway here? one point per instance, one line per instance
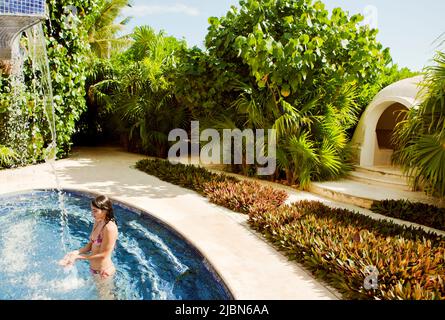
(384, 132)
(372, 137)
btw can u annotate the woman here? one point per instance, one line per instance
(100, 247)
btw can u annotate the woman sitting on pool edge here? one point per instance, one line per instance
(102, 241)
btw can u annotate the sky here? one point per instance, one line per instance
(408, 27)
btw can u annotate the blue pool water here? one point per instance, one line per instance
(153, 262)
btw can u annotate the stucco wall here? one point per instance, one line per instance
(405, 93)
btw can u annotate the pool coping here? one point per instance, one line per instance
(250, 268)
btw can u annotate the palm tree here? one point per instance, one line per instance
(420, 139)
(103, 31)
(145, 99)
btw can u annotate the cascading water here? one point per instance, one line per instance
(43, 87)
(18, 120)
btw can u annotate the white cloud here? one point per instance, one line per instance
(146, 10)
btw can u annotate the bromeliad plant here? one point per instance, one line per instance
(428, 215)
(187, 176)
(338, 245)
(244, 196)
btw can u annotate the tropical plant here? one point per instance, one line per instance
(144, 97)
(339, 246)
(290, 66)
(187, 176)
(94, 125)
(428, 215)
(7, 157)
(103, 31)
(420, 139)
(244, 196)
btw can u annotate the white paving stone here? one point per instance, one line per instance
(249, 266)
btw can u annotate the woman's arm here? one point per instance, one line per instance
(85, 249)
(108, 242)
(71, 257)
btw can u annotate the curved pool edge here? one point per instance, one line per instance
(211, 267)
(249, 266)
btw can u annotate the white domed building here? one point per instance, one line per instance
(374, 177)
(373, 134)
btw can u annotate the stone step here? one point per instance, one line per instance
(371, 178)
(363, 194)
(390, 172)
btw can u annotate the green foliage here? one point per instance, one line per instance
(138, 92)
(338, 245)
(98, 123)
(67, 53)
(291, 66)
(244, 196)
(67, 48)
(187, 176)
(420, 139)
(103, 32)
(421, 213)
(7, 157)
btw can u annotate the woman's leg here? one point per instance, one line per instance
(105, 284)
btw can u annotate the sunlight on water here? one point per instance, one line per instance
(151, 261)
(17, 246)
(160, 288)
(158, 241)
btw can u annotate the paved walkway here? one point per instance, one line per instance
(296, 195)
(250, 267)
(363, 195)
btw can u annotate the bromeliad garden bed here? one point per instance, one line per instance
(421, 213)
(337, 245)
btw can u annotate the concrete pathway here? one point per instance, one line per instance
(297, 195)
(363, 195)
(250, 267)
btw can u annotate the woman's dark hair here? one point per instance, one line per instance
(104, 203)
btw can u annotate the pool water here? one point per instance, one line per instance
(152, 261)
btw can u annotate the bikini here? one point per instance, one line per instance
(98, 242)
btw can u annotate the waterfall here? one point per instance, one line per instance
(17, 119)
(42, 87)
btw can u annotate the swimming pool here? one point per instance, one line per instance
(153, 261)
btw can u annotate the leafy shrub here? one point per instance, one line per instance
(338, 245)
(290, 65)
(7, 157)
(187, 176)
(67, 50)
(420, 138)
(244, 196)
(428, 215)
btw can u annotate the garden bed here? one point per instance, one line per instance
(420, 213)
(337, 245)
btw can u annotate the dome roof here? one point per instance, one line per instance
(406, 88)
